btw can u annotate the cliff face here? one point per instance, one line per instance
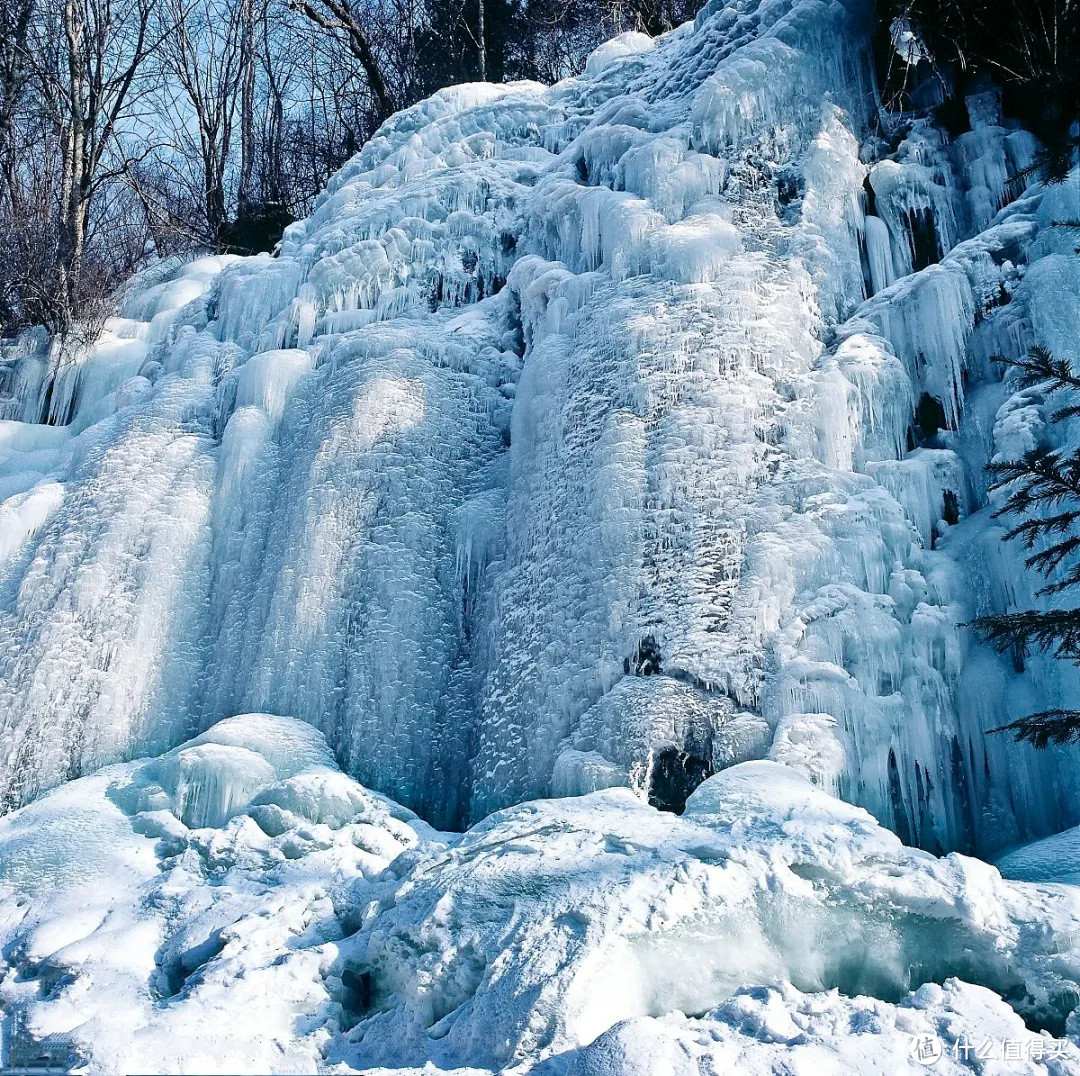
(611, 433)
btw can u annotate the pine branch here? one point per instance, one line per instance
(1054, 161)
(1057, 631)
(1038, 366)
(1028, 530)
(1043, 478)
(1058, 727)
(1070, 580)
(1049, 559)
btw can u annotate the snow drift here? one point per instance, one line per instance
(239, 904)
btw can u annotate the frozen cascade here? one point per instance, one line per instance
(611, 433)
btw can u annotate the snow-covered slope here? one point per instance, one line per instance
(556, 387)
(240, 905)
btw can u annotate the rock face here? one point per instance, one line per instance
(611, 433)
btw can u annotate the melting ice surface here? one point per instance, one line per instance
(586, 441)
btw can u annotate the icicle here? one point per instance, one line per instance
(878, 253)
(928, 319)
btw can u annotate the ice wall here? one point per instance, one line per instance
(610, 433)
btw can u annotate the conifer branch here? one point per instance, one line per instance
(1044, 497)
(1058, 727)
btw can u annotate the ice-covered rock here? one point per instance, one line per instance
(623, 441)
(549, 923)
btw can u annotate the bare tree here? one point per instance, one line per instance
(87, 56)
(15, 19)
(266, 98)
(249, 20)
(203, 55)
(341, 17)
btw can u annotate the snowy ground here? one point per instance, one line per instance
(240, 905)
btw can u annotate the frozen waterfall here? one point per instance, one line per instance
(606, 434)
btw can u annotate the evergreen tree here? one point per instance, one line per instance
(1044, 495)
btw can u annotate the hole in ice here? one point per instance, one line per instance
(645, 661)
(175, 970)
(950, 512)
(929, 418)
(789, 193)
(51, 978)
(871, 197)
(48, 416)
(674, 774)
(923, 237)
(901, 825)
(952, 114)
(357, 997)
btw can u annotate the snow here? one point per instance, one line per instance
(629, 914)
(155, 925)
(632, 43)
(321, 927)
(620, 441)
(780, 1030)
(1053, 859)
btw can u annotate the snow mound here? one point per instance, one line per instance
(780, 1030)
(321, 928)
(145, 908)
(551, 922)
(632, 43)
(218, 774)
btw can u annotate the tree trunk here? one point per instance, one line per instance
(481, 45)
(14, 27)
(245, 192)
(214, 195)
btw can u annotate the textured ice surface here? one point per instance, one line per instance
(612, 432)
(313, 925)
(1053, 859)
